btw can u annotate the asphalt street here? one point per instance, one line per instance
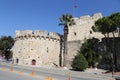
(7, 75)
(41, 73)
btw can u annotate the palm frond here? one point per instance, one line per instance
(67, 19)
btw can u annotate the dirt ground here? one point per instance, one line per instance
(117, 73)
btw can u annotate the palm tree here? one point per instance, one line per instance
(66, 20)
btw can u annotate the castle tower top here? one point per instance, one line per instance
(36, 33)
(83, 28)
(87, 18)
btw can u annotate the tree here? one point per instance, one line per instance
(66, 20)
(79, 62)
(106, 25)
(6, 43)
(115, 17)
(90, 50)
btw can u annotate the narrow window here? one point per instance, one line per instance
(90, 32)
(47, 49)
(17, 60)
(75, 33)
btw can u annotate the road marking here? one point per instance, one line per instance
(21, 72)
(3, 68)
(48, 78)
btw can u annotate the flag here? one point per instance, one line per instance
(75, 6)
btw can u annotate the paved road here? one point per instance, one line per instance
(41, 73)
(7, 75)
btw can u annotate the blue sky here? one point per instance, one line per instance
(44, 14)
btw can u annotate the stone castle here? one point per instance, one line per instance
(41, 48)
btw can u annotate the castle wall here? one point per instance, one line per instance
(46, 47)
(37, 45)
(83, 28)
(73, 47)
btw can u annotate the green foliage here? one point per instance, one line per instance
(79, 62)
(6, 43)
(107, 24)
(115, 17)
(90, 51)
(67, 20)
(104, 25)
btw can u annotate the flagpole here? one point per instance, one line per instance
(73, 12)
(74, 8)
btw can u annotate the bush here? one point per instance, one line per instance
(79, 63)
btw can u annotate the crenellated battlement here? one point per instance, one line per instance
(26, 34)
(85, 19)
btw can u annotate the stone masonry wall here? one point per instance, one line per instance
(37, 45)
(82, 29)
(73, 47)
(45, 48)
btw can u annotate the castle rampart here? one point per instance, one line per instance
(87, 18)
(26, 34)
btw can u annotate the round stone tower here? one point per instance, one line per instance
(38, 48)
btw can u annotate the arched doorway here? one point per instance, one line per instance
(33, 62)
